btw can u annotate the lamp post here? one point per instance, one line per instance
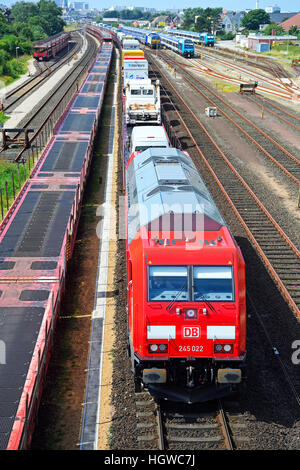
(17, 52)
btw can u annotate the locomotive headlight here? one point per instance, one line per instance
(190, 313)
(153, 347)
(218, 347)
(163, 347)
(227, 347)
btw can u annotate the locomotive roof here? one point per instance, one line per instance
(164, 181)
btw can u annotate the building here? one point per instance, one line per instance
(293, 21)
(280, 17)
(231, 21)
(167, 20)
(78, 5)
(274, 9)
(255, 40)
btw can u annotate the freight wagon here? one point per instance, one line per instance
(48, 48)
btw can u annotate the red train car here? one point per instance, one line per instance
(185, 282)
(37, 238)
(48, 48)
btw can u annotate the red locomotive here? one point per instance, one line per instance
(48, 48)
(185, 282)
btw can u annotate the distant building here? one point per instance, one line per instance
(161, 19)
(255, 40)
(293, 21)
(274, 9)
(231, 21)
(280, 17)
(78, 5)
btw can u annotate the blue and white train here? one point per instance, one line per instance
(184, 47)
(206, 39)
(150, 38)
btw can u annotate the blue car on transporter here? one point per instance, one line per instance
(150, 38)
(184, 47)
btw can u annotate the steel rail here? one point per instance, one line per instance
(229, 444)
(263, 63)
(259, 146)
(271, 69)
(255, 243)
(273, 105)
(84, 60)
(161, 441)
(275, 351)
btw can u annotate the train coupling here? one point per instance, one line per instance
(229, 376)
(175, 393)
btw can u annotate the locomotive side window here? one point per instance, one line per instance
(165, 283)
(214, 283)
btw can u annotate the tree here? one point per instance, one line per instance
(22, 11)
(254, 18)
(3, 24)
(199, 19)
(293, 31)
(50, 12)
(273, 26)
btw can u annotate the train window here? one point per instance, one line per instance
(214, 283)
(135, 92)
(166, 283)
(147, 92)
(141, 148)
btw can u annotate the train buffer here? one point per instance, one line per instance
(248, 88)
(7, 140)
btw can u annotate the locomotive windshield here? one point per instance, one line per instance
(190, 283)
(168, 282)
(214, 283)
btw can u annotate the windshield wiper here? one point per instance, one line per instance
(170, 305)
(202, 297)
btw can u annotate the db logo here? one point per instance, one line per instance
(191, 332)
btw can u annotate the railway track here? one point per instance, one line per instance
(279, 254)
(277, 111)
(267, 65)
(50, 108)
(282, 158)
(218, 425)
(17, 94)
(174, 426)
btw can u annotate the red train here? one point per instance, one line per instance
(185, 282)
(48, 48)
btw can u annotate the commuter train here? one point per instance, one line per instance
(184, 47)
(48, 48)
(205, 39)
(149, 38)
(186, 300)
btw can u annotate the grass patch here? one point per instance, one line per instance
(225, 87)
(12, 178)
(281, 52)
(23, 68)
(3, 117)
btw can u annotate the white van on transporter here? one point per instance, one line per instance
(144, 137)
